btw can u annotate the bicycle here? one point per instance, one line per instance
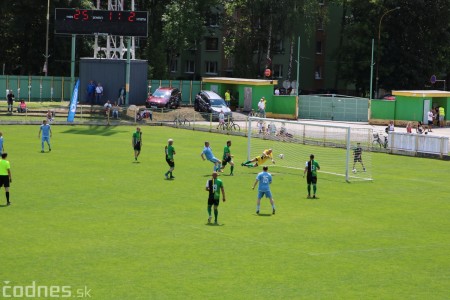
(230, 125)
(378, 142)
(181, 121)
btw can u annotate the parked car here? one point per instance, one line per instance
(210, 102)
(164, 97)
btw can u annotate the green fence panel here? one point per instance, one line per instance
(335, 108)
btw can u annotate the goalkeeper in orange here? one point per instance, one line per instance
(259, 160)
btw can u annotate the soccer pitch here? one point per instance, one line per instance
(86, 217)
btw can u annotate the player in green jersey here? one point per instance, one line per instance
(311, 169)
(170, 152)
(228, 158)
(214, 186)
(136, 142)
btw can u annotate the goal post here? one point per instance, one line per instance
(333, 146)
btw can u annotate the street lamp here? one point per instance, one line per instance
(378, 46)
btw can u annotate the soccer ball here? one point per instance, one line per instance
(354, 170)
(281, 156)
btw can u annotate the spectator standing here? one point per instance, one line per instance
(98, 93)
(91, 92)
(277, 92)
(10, 98)
(122, 95)
(430, 117)
(441, 116)
(228, 97)
(262, 107)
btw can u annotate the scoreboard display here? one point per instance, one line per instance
(112, 22)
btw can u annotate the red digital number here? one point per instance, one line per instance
(76, 15)
(132, 17)
(110, 16)
(85, 15)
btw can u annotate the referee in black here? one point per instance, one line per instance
(5, 176)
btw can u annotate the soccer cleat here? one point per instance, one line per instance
(209, 220)
(8, 203)
(309, 196)
(273, 211)
(364, 169)
(167, 176)
(242, 165)
(135, 158)
(215, 223)
(172, 177)
(42, 151)
(231, 174)
(314, 196)
(49, 150)
(257, 212)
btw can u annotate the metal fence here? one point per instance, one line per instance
(334, 108)
(54, 88)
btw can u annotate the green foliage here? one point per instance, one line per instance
(87, 215)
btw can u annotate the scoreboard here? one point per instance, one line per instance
(112, 22)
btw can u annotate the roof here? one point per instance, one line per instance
(422, 93)
(247, 81)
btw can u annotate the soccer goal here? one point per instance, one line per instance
(335, 147)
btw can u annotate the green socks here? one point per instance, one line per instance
(314, 189)
(232, 168)
(309, 189)
(216, 213)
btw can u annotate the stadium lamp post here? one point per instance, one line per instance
(46, 40)
(378, 46)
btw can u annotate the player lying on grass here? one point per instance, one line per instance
(259, 160)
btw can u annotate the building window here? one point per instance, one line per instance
(278, 71)
(319, 47)
(278, 46)
(318, 73)
(212, 44)
(174, 66)
(212, 19)
(211, 67)
(190, 67)
(320, 24)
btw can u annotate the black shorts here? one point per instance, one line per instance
(171, 163)
(212, 201)
(137, 146)
(357, 159)
(226, 160)
(4, 181)
(311, 179)
(430, 122)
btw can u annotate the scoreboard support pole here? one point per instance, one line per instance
(72, 64)
(127, 74)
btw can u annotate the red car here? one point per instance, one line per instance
(164, 97)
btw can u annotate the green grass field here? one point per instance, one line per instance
(87, 216)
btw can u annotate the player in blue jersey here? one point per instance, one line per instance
(46, 135)
(208, 155)
(2, 149)
(265, 179)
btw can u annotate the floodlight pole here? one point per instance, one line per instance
(378, 47)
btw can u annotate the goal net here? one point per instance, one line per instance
(333, 146)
